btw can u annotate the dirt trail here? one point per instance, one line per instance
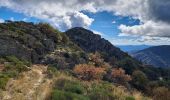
(31, 85)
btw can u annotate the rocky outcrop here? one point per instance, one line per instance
(10, 46)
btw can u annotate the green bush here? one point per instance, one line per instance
(63, 95)
(12, 69)
(2, 60)
(16, 65)
(69, 86)
(51, 71)
(3, 81)
(101, 92)
(139, 80)
(128, 64)
(130, 98)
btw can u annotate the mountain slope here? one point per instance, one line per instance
(39, 43)
(91, 42)
(84, 65)
(158, 56)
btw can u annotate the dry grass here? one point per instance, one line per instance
(35, 85)
(1, 67)
(31, 85)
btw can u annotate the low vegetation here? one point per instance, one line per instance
(69, 88)
(89, 72)
(12, 67)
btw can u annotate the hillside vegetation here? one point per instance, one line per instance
(39, 62)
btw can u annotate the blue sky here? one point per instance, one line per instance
(8, 14)
(122, 22)
(105, 22)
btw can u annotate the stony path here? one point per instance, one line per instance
(31, 85)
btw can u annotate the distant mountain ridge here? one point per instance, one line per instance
(158, 56)
(132, 48)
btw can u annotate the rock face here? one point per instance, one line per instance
(158, 56)
(10, 46)
(91, 42)
(27, 41)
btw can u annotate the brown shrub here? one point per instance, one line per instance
(89, 72)
(119, 76)
(161, 93)
(97, 60)
(2, 67)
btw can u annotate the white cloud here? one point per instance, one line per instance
(25, 19)
(141, 40)
(1, 20)
(97, 32)
(79, 19)
(153, 15)
(113, 22)
(12, 19)
(150, 28)
(63, 14)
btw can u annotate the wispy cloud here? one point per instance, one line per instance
(97, 32)
(1, 20)
(114, 22)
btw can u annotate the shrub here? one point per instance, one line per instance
(128, 64)
(11, 69)
(63, 95)
(3, 80)
(161, 93)
(140, 80)
(65, 39)
(68, 89)
(101, 92)
(119, 76)
(50, 32)
(51, 71)
(130, 98)
(2, 60)
(69, 86)
(89, 72)
(16, 64)
(97, 60)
